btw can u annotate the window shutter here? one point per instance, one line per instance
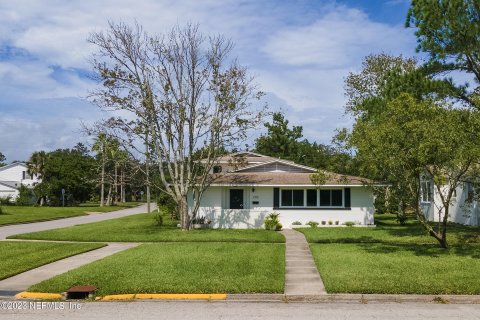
(347, 198)
(276, 197)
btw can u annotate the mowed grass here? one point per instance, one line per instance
(389, 231)
(181, 268)
(142, 228)
(396, 259)
(398, 269)
(24, 214)
(18, 257)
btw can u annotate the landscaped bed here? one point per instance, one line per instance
(181, 268)
(396, 259)
(142, 228)
(18, 257)
(24, 214)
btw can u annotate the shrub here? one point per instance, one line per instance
(2, 211)
(312, 224)
(198, 220)
(402, 218)
(158, 217)
(166, 201)
(25, 196)
(272, 222)
(324, 222)
(349, 223)
(296, 223)
(330, 222)
(6, 200)
(279, 227)
(337, 223)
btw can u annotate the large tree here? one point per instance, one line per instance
(182, 94)
(449, 32)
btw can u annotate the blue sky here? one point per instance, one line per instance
(299, 52)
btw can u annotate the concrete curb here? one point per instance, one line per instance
(160, 296)
(38, 295)
(258, 297)
(358, 298)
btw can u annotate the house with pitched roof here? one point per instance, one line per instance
(246, 187)
(12, 176)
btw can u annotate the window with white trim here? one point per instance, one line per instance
(312, 198)
(426, 191)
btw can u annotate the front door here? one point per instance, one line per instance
(236, 198)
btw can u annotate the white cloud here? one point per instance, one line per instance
(336, 40)
(299, 54)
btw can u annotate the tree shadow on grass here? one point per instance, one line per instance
(430, 250)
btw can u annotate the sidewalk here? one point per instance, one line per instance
(301, 274)
(68, 222)
(22, 281)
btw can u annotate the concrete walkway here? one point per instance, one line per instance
(22, 281)
(301, 274)
(67, 222)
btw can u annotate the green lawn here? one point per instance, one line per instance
(18, 257)
(142, 228)
(396, 259)
(395, 269)
(181, 268)
(24, 214)
(389, 231)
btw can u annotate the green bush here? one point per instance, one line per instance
(272, 222)
(25, 196)
(165, 201)
(330, 222)
(312, 224)
(324, 222)
(158, 217)
(2, 211)
(349, 223)
(296, 223)
(401, 218)
(6, 200)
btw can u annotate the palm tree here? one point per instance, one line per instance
(36, 166)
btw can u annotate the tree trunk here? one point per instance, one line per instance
(183, 211)
(109, 197)
(115, 186)
(122, 189)
(102, 184)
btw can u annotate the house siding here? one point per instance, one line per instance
(252, 215)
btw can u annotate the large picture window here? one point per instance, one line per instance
(292, 198)
(311, 198)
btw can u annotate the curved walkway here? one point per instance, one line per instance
(67, 222)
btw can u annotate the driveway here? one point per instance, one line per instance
(61, 223)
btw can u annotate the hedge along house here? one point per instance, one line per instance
(242, 195)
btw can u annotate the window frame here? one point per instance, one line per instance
(426, 185)
(305, 204)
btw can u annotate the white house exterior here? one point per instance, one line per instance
(241, 197)
(12, 176)
(460, 211)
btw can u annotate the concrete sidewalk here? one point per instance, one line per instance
(67, 222)
(301, 274)
(22, 281)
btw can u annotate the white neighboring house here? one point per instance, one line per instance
(14, 175)
(241, 197)
(460, 211)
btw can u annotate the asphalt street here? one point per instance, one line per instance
(241, 310)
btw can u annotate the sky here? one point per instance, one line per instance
(299, 52)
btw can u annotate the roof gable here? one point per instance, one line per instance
(12, 165)
(276, 166)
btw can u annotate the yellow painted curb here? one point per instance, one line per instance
(38, 295)
(165, 296)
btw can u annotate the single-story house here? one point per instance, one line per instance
(244, 192)
(461, 210)
(12, 176)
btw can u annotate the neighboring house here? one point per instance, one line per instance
(460, 211)
(14, 175)
(241, 196)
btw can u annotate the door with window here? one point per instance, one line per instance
(236, 198)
